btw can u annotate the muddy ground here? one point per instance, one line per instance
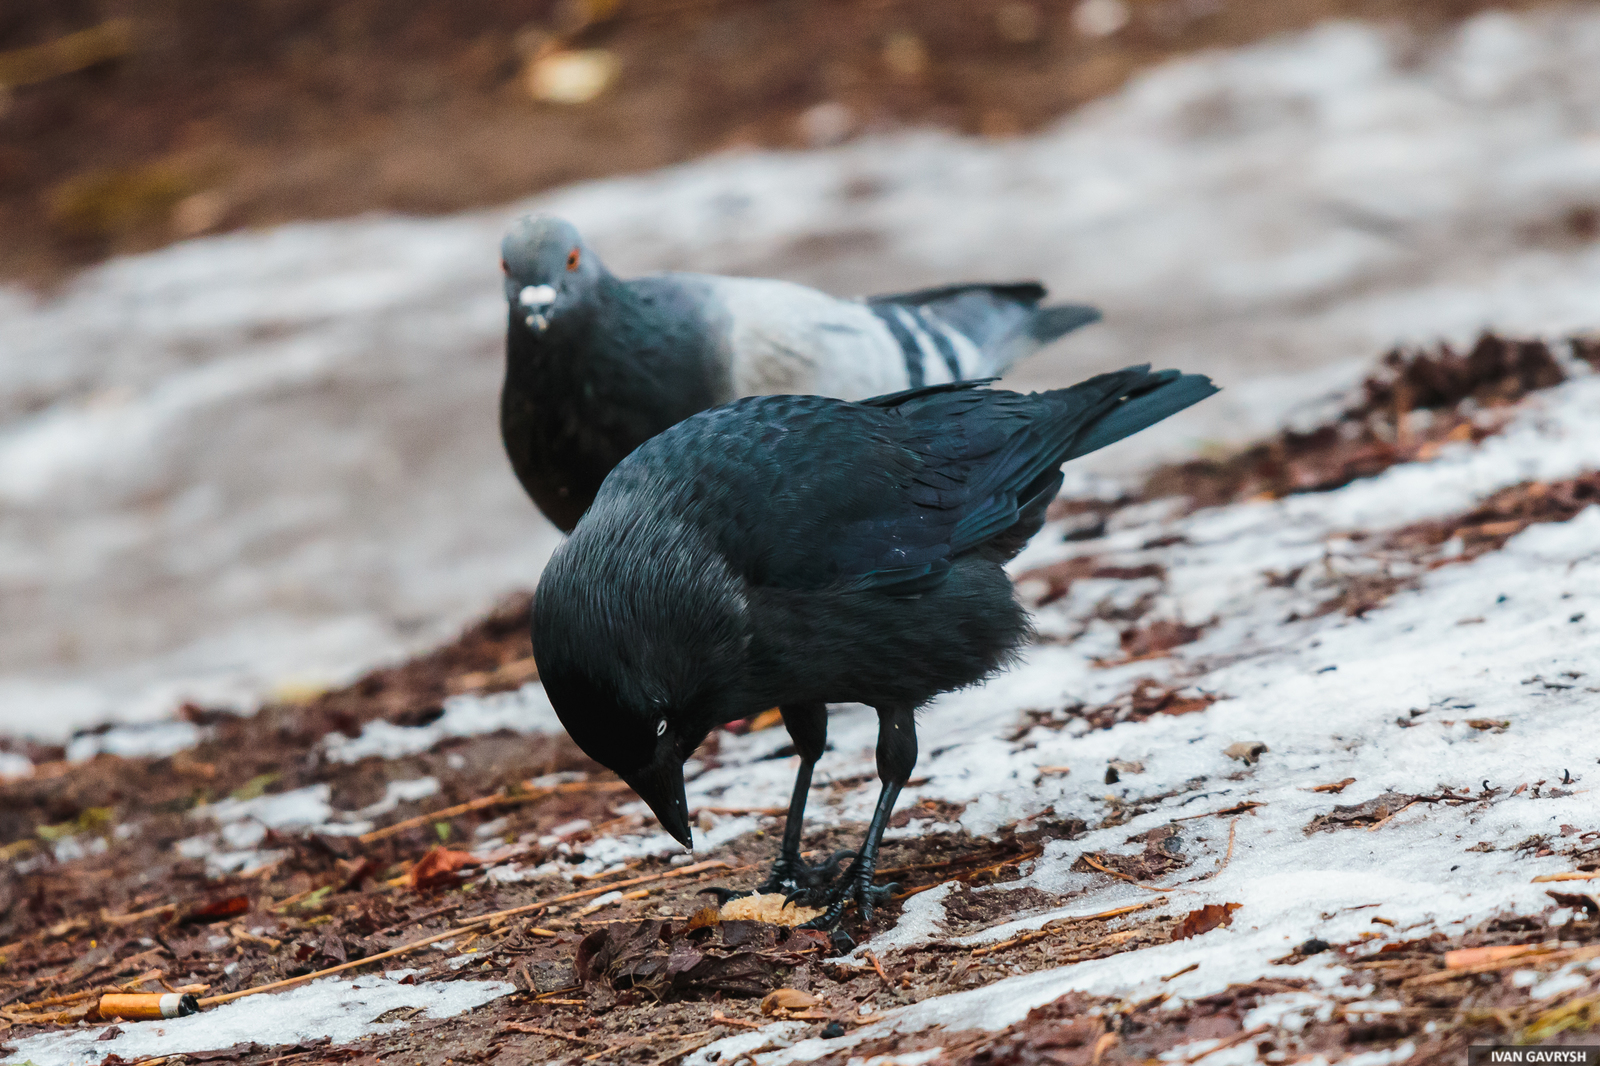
(165, 119)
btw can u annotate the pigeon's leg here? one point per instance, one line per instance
(807, 724)
(897, 756)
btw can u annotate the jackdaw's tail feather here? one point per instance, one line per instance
(1164, 393)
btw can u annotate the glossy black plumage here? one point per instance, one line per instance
(799, 551)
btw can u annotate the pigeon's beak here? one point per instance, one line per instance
(661, 786)
(535, 301)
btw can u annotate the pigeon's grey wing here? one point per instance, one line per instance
(971, 331)
(778, 337)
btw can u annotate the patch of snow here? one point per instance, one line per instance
(13, 764)
(526, 710)
(343, 1011)
(308, 411)
(398, 792)
(149, 740)
(308, 806)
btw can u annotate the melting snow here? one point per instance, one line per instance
(344, 1011)
(526, 710)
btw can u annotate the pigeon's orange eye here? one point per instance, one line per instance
(572, 259)
(503, 268)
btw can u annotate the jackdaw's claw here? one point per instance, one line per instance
(857, 885)
(723, 894)
(802, 882)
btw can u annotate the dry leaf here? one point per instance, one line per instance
(1205, 919)
(438, 868)
(788, 999)
(704, 917)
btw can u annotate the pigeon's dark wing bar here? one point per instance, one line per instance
(973, 330)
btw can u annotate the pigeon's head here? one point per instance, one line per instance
(640, 658)
(548, 270)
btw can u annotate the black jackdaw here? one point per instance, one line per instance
(799, 551)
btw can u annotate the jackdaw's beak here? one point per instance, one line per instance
(535, 301)
(661, 786)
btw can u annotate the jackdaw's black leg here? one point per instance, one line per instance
(897, 756)
(807, 724)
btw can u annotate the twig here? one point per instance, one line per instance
(1570, 875)
(1236, 1038)
(1060, 925)
(498, 799)
(1135, 882)
(970, 874)
(518, 1027)
(136, 916)
(1530, 958)
(228, 997)
(1381, 822)
(1237, 808)
(718, 1016)
(876, 965)
(1191, 968)
(1233, 827)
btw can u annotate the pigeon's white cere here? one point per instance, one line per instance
(537, 296)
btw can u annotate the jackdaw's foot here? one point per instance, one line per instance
(855, 885)
(723, 894)
(802, 882)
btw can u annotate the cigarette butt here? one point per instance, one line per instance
(140, 1006)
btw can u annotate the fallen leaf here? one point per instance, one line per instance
(704, 918)
(218, 909)
(438, 868)
(1577, 901)
(1370, 813)
(788, 999)
(1205, 919)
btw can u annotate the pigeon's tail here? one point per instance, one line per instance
(971, 331)
(1160, 394)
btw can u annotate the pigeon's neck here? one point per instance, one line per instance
(585, 392)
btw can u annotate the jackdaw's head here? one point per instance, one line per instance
(640, 653)
(548, 270)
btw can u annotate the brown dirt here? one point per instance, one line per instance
(1415, 402)
(188, 117)
(1462, 1008)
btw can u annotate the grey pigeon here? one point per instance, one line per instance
(596, 365)
(799, 551)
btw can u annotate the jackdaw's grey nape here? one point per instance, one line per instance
(596, 365)
(797, 551)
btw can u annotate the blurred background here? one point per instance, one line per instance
(250, 320)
